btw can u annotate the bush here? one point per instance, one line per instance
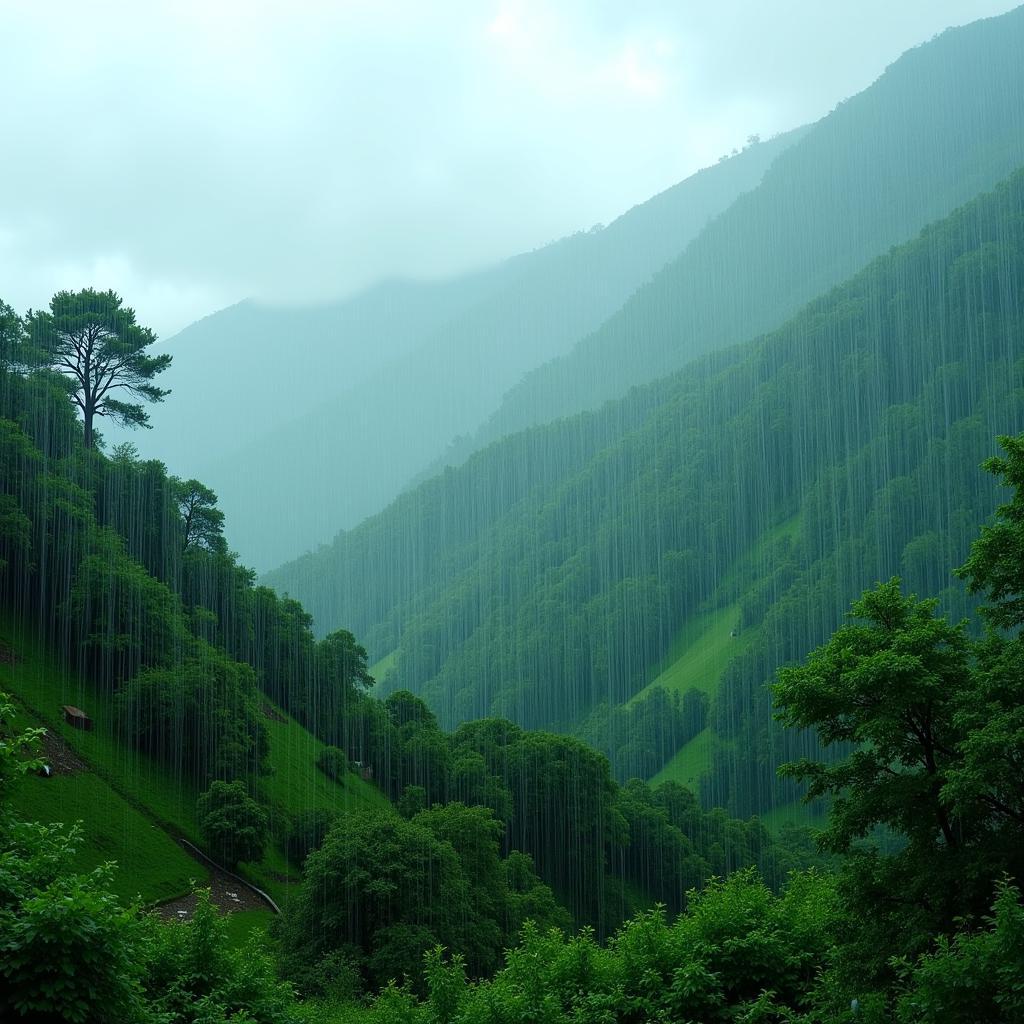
(333, 762)
(307, 832)
(194, 974)
(233, 825)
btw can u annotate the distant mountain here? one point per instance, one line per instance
(944, 122)
(306, 421)
(250, 368)
(560, 570)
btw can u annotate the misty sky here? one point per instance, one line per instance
(193, 153)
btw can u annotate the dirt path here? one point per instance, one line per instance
(228, 892)
(59, 756)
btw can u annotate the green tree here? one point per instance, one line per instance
(202, 716)
(195, 976)
(232, 824)
(202, 522)
(887, 686)
(378, 885)
(307, 832)
(474, 834)
(995, 566)
(333, 763)
(94, 341)
(12, 331)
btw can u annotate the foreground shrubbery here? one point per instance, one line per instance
(739, 954)
(69, 951)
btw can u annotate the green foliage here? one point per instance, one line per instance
(13, 747)
(195, 976)
(994, 565)
(378, 886)
(333, 762)
(307, 832)
(202, 717)
(889, 687)
(739, 954)
(535, 595)
(233, 825)
(202, 522)
(412, 801)
(973, 978)
(68, 949)
(95, 342)
(381, 890)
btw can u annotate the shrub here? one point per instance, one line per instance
(233, 825)
(307, 832)
(333, 762)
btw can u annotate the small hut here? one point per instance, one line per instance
(77, 718)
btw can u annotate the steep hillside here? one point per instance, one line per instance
(133, 808)
(554, 571)
(340, 408)
(943, 123)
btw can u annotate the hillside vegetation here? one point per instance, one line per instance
(385, 381)
(553, 572)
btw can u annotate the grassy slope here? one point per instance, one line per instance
(702, 650)
(128, 803)
(380, 669)
(700, 653)
(150, 865)
(690, 761)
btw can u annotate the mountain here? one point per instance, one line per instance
(557, 571)
(365, 395)
(944, 122)
(250, 368)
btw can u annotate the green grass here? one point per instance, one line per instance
(150, 864)
(380, 669)
(691, 761)
(701, 652)
(703, 649)
(126, 794)
(42, 687)
(296, 784)
(241, 925)
(699, 657)
(795, 813)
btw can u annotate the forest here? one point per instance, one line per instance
(673, 673)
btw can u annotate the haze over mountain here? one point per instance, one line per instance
(390, 378)
(557, 569)
(944, 122)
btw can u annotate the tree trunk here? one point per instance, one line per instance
(87, 415)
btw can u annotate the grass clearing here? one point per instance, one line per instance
(243, 924)
(704, 647)
(380, 669)
(150, 865)
(699, 656)
(691, 761)
(795, 813)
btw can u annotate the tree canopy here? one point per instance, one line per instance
(95, 343)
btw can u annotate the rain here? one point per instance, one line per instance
(512, 512)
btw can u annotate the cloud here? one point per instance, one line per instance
(195, 152)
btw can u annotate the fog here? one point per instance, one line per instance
(192, 154)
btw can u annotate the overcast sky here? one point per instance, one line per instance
(193, 153)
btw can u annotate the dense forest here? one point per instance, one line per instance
(666, 664)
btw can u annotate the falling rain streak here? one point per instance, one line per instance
(548, 638)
